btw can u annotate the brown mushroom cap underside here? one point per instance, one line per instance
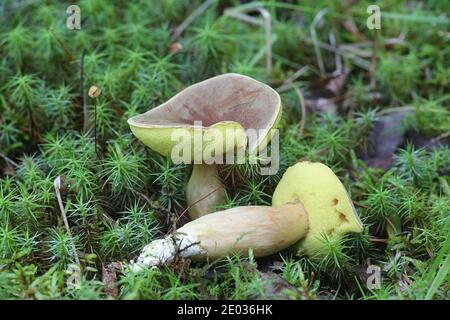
(228, 97)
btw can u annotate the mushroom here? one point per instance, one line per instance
(264, 229)
(211, 117)
(330, 210)
(308, 200)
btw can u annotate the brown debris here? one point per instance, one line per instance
(277, 288)
(109, 272)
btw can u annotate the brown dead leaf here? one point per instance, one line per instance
(351, 27)
(388, 134)
(336, 83)
(181, 267)
(276, 288)
(322, 105)
(110, 279)
(326, 94)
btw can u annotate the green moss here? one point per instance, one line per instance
(120, 199)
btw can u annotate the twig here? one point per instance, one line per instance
(268, 29)
(68, 53)
(153, 204)
(197, 201)
(8, 160)
(378, 240)
(440, 137)
(95, 127)
(409, 108)
(360, 205)
(94, 92)
(373, 60)
(302, 108)
(83, 96)
(337, 57)
(196, 13)
(316, 20)
(287, 83)
(357, 49)
(356, 60)
(244, 17)
(240, 14)
(57, 185)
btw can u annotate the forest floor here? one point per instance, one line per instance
(375, 109)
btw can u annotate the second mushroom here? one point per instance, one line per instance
(309, 203)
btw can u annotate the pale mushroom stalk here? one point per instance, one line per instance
(265, 229)
(204, 190)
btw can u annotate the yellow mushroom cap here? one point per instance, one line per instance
(230, 102)
(329, 208)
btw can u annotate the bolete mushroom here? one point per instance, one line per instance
(308, 200)
(211, 118)
(330, 210)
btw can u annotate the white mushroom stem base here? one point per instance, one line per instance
(204, 190)
(162, 251)
(265, 230)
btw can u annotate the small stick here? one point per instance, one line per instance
(373, 60)
(68, 53)
(244, 17)
(197, 201)
(57, 185)
(313, 32)
(8, 160)
(83, 96)
(94, 92)
(356, 60)
(378, 240)
(360, 205)
(410, 108)
(287, 83)
(302, 107)
(239, 14)
(196, 13)
(440, 137)
(268, 29)
(311, 280)
(95, 126)
(153, 204)
(337, 57)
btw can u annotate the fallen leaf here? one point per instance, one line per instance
(277, 288)
(326, 94)
(388, 134)
(351, 27)
(110, 279)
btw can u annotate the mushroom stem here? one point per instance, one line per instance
(204, 190)
(264, 229)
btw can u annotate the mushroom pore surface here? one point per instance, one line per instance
(228, 99)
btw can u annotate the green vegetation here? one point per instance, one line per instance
(118, 195)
